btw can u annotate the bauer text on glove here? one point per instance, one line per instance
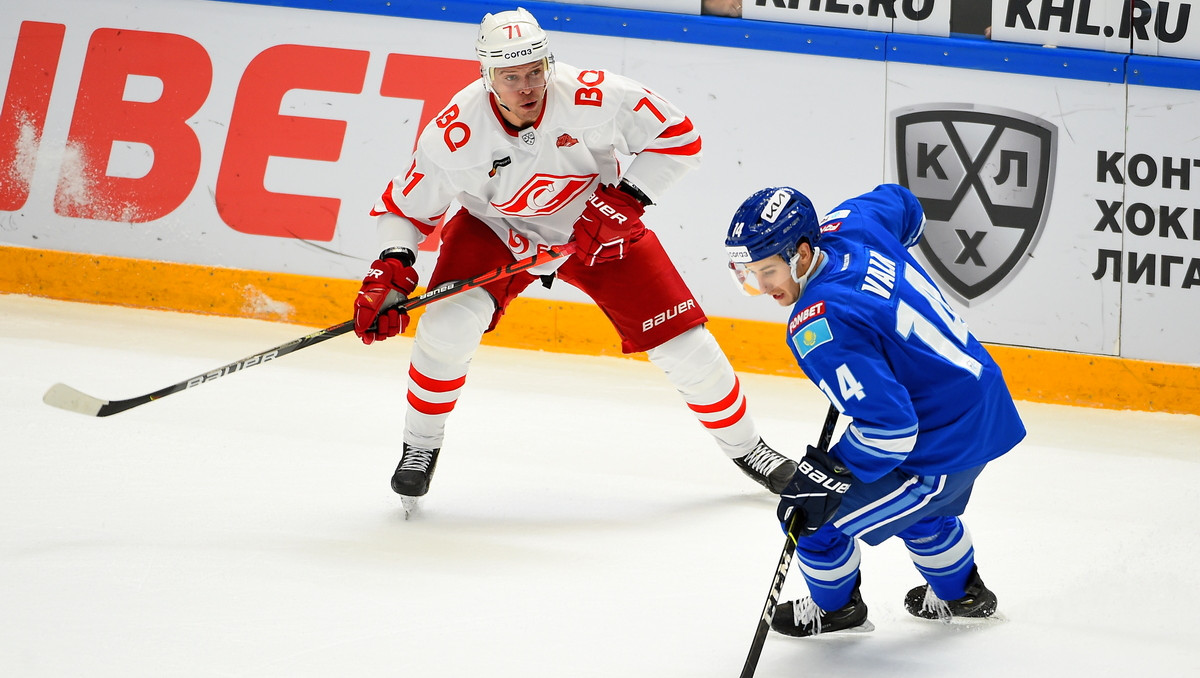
(814, 494)
(610, 223)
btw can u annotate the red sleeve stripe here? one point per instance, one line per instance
(678, 130)
(425, 226)
(387, 199)
(689, 149)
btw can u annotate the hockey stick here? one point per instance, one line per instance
(67, 398)
(781, 570)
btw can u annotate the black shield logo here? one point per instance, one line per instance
(984, 176)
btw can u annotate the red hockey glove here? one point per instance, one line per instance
(389, 282)
(610, 222)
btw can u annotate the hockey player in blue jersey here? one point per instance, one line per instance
(929, 407)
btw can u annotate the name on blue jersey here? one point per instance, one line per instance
(881, 275)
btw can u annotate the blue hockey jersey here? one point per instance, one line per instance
(873, 331)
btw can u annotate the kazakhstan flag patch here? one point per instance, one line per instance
(811, 336)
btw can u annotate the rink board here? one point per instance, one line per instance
(259, 143)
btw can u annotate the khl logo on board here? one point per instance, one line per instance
(984, 176)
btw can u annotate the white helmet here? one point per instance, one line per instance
(510, 38)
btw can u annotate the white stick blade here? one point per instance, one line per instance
(66, 398)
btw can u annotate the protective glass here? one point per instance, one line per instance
(511, 80)
(756, 278)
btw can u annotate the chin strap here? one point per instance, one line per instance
(486, 76)
(499, 101)
(812, 266)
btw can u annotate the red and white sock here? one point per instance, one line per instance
(448, 335)
(697, 367)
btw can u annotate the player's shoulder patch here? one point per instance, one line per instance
(809, 328)
(832, 222)
(804, 315)
(837, 215)
(811, 336)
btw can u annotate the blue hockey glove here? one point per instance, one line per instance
(814, 494)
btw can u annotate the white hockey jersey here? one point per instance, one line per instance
(530, 186)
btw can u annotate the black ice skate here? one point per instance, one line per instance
(413, 475)
(802, 618)
(978, 602)
(767, 467)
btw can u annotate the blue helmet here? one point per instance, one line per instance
(772, 221)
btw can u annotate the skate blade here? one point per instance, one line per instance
(411, 506)
(865, 627)
(995, 618)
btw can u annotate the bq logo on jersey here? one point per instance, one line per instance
(984, 176)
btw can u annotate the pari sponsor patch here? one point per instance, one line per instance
(833, 220)
(805, 315)
(811, 336)
(838, 214)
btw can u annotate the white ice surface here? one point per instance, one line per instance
(581, 523)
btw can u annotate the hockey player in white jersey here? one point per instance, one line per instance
(530, 152)
(929, 406)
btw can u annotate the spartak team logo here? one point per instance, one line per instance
(984, 176)
(545, 194)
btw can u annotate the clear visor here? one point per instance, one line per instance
(516, 79)
(761, 277)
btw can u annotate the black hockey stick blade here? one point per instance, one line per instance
(781, 570)
(66, 398)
